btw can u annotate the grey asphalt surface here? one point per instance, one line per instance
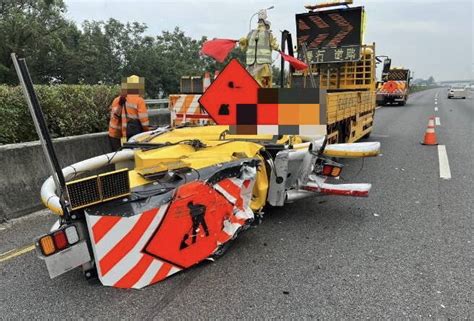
(404, 252)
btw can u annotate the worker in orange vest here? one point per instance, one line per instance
(128, 112)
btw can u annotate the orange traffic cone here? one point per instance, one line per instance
(430, 134)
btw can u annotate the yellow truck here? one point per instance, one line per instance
(350, 98)
(346, 74)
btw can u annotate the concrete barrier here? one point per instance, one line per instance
(23, 167)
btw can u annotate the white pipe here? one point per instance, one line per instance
(48, 190)
(294, 195)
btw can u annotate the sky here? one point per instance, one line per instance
(432, 38)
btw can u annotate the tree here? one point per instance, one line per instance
(57, 51)
(33, 29)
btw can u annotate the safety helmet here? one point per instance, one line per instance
(262, 17)
(133, 84)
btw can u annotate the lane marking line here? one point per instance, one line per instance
(436, 103)
(16, 252)
(444, 170)
(436, 108)
(437, 121)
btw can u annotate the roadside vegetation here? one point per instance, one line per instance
(94, 56)
(69, 110)
(417, 88)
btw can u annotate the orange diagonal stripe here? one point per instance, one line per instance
(126, 244)
(103, 226)
(162, 273)
(132, 277)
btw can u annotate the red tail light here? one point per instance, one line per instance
(60, 240)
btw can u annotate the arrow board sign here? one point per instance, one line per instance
(330, 28)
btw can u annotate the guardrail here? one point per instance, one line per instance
(157, 106)
(159, 103)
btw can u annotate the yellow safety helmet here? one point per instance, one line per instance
(133, 83)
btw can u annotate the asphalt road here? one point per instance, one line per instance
(403, 252)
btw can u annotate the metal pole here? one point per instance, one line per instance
(41, 129)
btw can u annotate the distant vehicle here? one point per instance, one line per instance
(457, 92)
(394, 87)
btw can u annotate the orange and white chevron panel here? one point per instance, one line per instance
(393, 87)
(136, 251)
(186, 109)
(117, 243)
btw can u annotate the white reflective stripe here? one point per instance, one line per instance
(173, 271)
(135, 255)
(143, 115)
(194, 105)
(179, 104)
(145, 123)
(114, 236)
(130, 105)
(132, 116)
(93, 219)
(114, 126)
(221, 190)
(149, 274)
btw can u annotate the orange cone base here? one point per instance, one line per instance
(430, 137)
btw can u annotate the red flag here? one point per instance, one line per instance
(297, 64)
(218, 49)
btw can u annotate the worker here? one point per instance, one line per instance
(258, 47)
(128, 112)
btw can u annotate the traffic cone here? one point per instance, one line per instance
(207, 81)
(431, 122)
(430, 134)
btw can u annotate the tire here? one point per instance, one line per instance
(402, 103)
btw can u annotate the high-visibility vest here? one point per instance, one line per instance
(259, 49)
(136, 109)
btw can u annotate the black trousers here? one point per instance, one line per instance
(115, 143)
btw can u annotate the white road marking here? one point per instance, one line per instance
(436, 108)
(444, 170)
(437, 121)
(436, 103)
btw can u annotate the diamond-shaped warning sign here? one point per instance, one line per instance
(190, 229)
(234, 86)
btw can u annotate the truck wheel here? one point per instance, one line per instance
(402, 103)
